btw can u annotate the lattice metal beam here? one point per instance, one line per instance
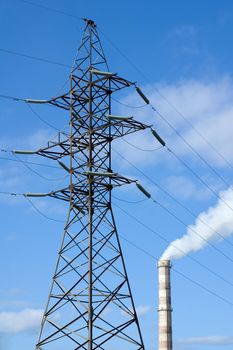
(90, 304)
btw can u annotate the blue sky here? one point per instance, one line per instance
(183, 58)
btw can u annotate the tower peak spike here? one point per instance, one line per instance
(89, 22)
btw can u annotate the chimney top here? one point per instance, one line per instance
(164, 263)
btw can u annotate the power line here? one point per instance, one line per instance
(50, 9)
(199, 178)
(172, 197)
(34, 57)
(153, 108)
(203, 287)
(183, 223)
(167, 241)
(32, 163)
(179, 273)
(12, 98)
(143, 250)
(40, 212)
(142, 149)
(157, 202)
(130, 202)
(15, 194)
(190, 146)
(40, 118)
(141, 73)
(37, 173)
(165, 99)
(11, 193)
(191, 170)
(128, 106)
(190, 228)
(194, 231)
(27, 1)
(195, 129)
(184, 140)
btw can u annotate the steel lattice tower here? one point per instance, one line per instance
(90, 304)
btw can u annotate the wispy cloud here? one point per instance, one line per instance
(210, 340)
(14, 304)
(15, 322)
(184, 188)
(14, 299)
(183, 39)
(33, 141)
(207, 105)
(143, 310)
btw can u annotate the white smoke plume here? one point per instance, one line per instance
(213, 224)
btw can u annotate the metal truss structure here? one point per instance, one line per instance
(90, 304)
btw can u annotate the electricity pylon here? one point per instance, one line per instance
(90, 304)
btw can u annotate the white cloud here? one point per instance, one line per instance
(143, 310)
(54, 208)
(15, 304)
(36, 140)
(207, 105)
(211, 340)
(183, 40)
(9, 178)
(184, 188)
(15, 322)
(40, 138)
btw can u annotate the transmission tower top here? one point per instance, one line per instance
(89, 22)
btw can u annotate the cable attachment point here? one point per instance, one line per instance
(117, 117)
(35, 194)
(156, 135)
(64, 166)
(143, 190)
(140, 93)
(18, 151)
(29, 100)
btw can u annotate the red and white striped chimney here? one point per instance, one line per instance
(164, 308)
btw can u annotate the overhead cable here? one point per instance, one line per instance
(45, 60)
(143, 250)
(40, 118)
(148, 195)
(32, 163)
(40, 212)
(188, 278)
(166, 99)
(52, 9)
(170, 196)
(142, 149)
(168, 242)
(37, 173)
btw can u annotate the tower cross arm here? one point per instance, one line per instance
(116, 82)
(80, 189)
(61, 101)
(54, 149)
(120, 126)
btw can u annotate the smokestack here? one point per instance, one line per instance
(164, 309)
